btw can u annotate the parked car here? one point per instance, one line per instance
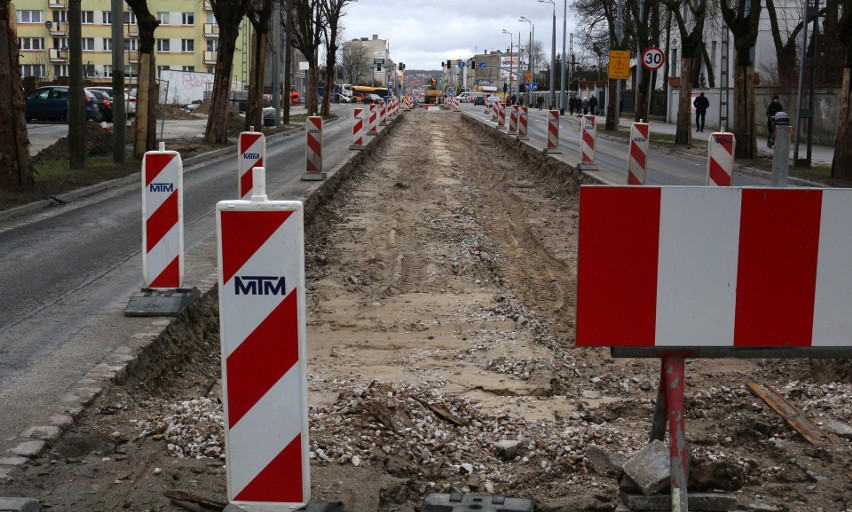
(51, 102)
(464, 97)
(479, 100)
(104, 103)
(129, 99)
(489, 101)
(371, 98)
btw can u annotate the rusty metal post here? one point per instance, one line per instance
(674, 373)
(658, 424)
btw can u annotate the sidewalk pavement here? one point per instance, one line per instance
(820, 155)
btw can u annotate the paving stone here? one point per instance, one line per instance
(19, 505)
(605, 463)
(44, 432)
(507, 450)
(29, 449)
(837, 428)
(650, 468)
(697, 502)
(13, 461)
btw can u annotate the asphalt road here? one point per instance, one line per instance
(68, 272)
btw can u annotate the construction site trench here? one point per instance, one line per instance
(441, 287)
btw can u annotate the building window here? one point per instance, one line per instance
(88, 70)
(88, 44)
(60, 70)
(160, 70)
(107, 71)
(163, 18)
(29, 16)
(188, 18)
(189, 68)
(105, 15)
(130, 71)
(210, 70)
(212, 45)
(60, 16)
(163, 45)
(211, 18)
(187, 45)
(87, 17)
(131, 45)
(31, 43)
(60, 43)
(129, 18)
(36, 70)
(107, 44)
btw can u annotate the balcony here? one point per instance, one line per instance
(58, 55)
(131, 30)
(211, 30)
(57, 4)
(207, 5)
(210, 57)
(58, 29)
(132, 57)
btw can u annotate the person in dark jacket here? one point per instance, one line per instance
(593, 104)
(773, 108)
(701, 105)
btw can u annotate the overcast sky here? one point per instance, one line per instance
(424, 33)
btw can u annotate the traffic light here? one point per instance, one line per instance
(449, 64)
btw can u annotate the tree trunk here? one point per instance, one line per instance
(744, 122)
(329, 84)
(612, 98)
(841, 165)
(217, 122)
(148, 93)
(683, 133)
(142, 111)
(254, 110)
(76, 111)
(311, 93)
(16, 170)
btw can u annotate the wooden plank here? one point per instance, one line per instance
(791, 414)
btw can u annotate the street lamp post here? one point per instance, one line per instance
(563, 99)
(529, 57)
(511, 66)
(552, 55)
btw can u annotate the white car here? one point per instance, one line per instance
(129, 99)
(464, 97)
(489, 101)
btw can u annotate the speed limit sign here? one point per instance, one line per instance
(653, 58)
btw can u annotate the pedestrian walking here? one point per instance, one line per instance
(585, 105)
(593, 103)
(701, 104)
(540, 102)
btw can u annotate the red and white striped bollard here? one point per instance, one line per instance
(553, 133)
(358, 129)
(522, 122)
(263, 351)
(162, 212)
(513, 119)
(588, 139)
(313, 149)
(637, 158)
(720, 159)
(252, 154)
(372, 121)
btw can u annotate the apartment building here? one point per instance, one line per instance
(378, 52)
(187, 39)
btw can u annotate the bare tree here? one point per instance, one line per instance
(260, 15)
(645, 34)
(356, 62)
(841, 165)
(744, 20)
(692, 48)
(76, 111)
(332, 11)
(785, 40)
(229, 14)
(307, 31)
(148, 94)
(16, 169)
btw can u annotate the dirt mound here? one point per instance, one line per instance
(175, 112)
(98, 143)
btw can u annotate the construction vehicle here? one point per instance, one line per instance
(433, 94)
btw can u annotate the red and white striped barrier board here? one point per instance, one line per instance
(456, 104)
(162, 219)
(408, 102)
(513, 119)
(495, 105)
(487, 110)
(501, 115)
(637, 159)
(522, 123)
(588, 139)
(264, 357)
(358, 129)
(552, 132)
(372, 121)
(382, 113)
(252, 154)
(714, 267)
(313, 145)
(720, 159)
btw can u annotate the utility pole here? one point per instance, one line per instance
(119, 111)
(288, 26)
(76, 95)
(563, 99)
(276, 60)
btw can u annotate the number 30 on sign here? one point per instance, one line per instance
(653, 58)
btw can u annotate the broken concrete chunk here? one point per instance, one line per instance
(604, 463)
(507, 450)
(650, 468)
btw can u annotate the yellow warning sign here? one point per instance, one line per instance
(619, 64)
(527, 76)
